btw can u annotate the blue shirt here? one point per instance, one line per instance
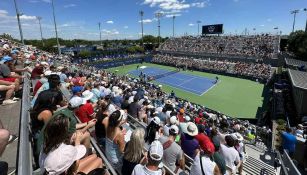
(288, 141)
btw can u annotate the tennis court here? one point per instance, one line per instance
(198, 85)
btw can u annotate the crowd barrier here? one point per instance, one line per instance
(287, 167)
(25, 159)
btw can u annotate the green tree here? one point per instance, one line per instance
(85, 54)
(297, 43)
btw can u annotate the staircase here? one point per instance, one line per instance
(254, 166)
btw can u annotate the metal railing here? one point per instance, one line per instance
(287, 165)
(24, 158)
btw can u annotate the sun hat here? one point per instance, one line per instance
(187, 118)
(192, 129)
(60, 159)
(87, 95)
(156, 151)
(237, 136)
(76, 101)
(156, 120)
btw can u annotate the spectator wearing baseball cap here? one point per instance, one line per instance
(171, 121)
(203, 163)
(180, 115)
(173, 156)
(86, 111)
(6, 74)
(154, 165)
(189, 144)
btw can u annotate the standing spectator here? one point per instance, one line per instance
(153, 167)
(134, 153)
(134, 108)
(153, 131)
(173, 156)
(203, 164)
(289, 141)
(218, 158)
(100, 129)
(230, 154)
(202, 138)
(189, 144)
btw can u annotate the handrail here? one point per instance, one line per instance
(287, 165)
(24, 161)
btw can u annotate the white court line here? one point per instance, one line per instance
(184, 82)
(183, 88)
(211, 87)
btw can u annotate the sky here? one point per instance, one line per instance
(120, 19)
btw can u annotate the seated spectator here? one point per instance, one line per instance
(299, 132)
(230, 154)
(203, 164)
(86, 111)
(100, 129)
(240, 147)
(45, 105)
(153, 131)
(180, 116)
(134, 152)
(115, 143)
(153, 167)
(289, 141)
(173, 156)
(169, 123)
(6, 74)
(9, 89)
(57, 156)
(189, 144)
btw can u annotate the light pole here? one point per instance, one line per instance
(158, 16)
(19, 25)
(40, 28)
(100, 34)
(198, 22)
(174, 26)
(305, 9)
(142, 26)
(294, 12)
(55, 28)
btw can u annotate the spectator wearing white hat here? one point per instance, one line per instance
(189, 144)
(240, 147)
(57, 156)
(171, 121)
(154, 165)
(86, 111)
(173, 156)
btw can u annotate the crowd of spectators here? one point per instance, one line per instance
(257, 46)
(253, 70)
(102, 101)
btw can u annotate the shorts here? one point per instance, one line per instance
(10, 79)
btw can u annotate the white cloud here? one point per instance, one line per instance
(175, 4)
(3, 12)
(70, 5)
(110, 32)
(171, 15)
(110, 22)
(146, 21)
(126, 27)
(262, 25)
(191, 24)
(26, 17)
(269, 20)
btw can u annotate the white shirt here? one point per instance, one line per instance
(208, 166)
(230, 155)
(143, 170)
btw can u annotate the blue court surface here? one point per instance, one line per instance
(191, 83)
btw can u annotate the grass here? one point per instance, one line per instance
(235, 97)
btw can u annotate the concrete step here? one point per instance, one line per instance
(254, 166)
